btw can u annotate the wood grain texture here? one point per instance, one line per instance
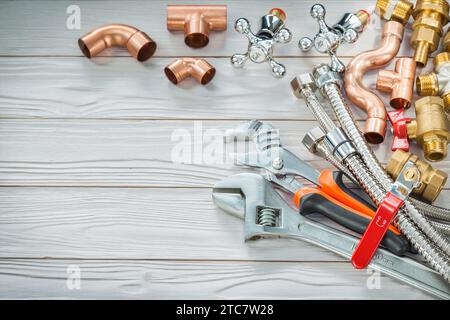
(20, 35)
(134, 223)
(132, 153)
(31, 279)
(122, 88)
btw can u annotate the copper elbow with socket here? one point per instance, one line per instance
(431, 180)
(139, 44)
(375, 127)
(398, 82)
(430, 16)
(196, 21)
(183, 68)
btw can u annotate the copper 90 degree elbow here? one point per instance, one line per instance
(375, 127)
(196, 21)
(139, 44)
(183, 68)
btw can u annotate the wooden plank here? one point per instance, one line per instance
(134, 223)
(132, 153)
(126, 89)
(123, 279)
(39, 27)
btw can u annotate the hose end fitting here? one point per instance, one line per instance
(340, 145)
(302, 82)
(324, 76)
(431, 180)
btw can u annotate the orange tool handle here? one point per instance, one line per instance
(331, 185)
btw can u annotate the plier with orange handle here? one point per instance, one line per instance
(329, 197)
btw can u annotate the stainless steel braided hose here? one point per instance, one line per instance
(331, 90)
(433, 255)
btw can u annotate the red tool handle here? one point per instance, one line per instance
(376, 230)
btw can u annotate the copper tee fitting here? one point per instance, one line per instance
(196, 21)
(430, 16)
(139, 44)
(398, 82)
(183, 68)
(437, 83)
(375, 127)
(431, 180)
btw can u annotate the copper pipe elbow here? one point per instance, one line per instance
(375, 127)
(398, 82)
(139, 44)
(183, 68)
(196, 21)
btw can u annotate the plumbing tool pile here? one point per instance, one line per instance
(402, 233)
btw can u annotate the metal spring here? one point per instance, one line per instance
(267, 217)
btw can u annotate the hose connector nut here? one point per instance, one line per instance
(301, 82)
(431, 180)
(340, 145)
(312, 138)
(328, 39)
(196, 21)
(324, 74)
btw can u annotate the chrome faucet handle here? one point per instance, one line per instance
(260, 48)
(328, 39)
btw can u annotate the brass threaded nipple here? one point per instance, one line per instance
(426, 85)
(401, 12)
(435, 149)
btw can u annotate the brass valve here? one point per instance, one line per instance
(431, 180)
(437, 83)
(430, 16)
(395, 10)
(430, 129)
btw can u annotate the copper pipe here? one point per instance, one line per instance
(139, 44)
(196, 21)
(398, 82)
(183, 68)
(375, 127)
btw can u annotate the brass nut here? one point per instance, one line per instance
(401, 12)
(431, 180)
(430, 129)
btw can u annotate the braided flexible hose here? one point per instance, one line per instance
(433, 255)
(345, 118)
(432, 211)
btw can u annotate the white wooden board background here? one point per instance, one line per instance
(86, 176)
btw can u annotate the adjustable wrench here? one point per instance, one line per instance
(266, 214)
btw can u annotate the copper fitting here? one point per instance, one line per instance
(375, 127)
(431, 180)
(139, 44)
(437, 83)
(183, 68)
(430, 16)
(398, 82)
(430, 129)
(395, 10)
(196, 21)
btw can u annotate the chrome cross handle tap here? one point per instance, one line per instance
(328, 39)
(260, 48)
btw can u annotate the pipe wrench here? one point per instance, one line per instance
(254, 199)
(331, 197)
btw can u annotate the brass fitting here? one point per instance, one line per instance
(196, 21)
(431, 180)
(430, 16)
(398, 82)
(395, 10)
(430, 129)
(183, 68)
(437, 83)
